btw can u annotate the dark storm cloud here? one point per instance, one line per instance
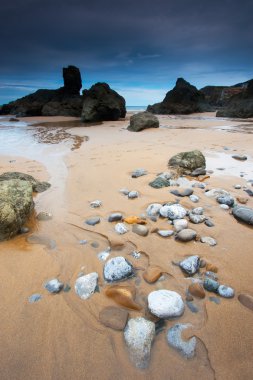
(126, 42)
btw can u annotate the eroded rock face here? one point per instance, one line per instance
(182, 99)
(143, 120)
(188, 161)
(101, 103)
(16, 204)
(64, 101)
(239, 105)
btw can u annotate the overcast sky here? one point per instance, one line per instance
(139, 47)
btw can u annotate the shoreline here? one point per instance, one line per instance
(58, 333)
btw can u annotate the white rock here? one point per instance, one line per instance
(121, 228)
(165, 233)
(85, 285)
(165, 303)
(95, 204)
(185, 348)
(214, 193)
(117, 268)
(224, 207)
(180, 224)
(139, 334)
(194, 198)
(172, 212)
(54, 285)
(226, 291)
(153, 209)
(208, 240)
(133, 194)
(102, 256)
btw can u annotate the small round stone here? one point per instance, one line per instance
(115, 217)
(165, 303)
(133, 194)
(172, 212)
(93, 221)
(211, 285)
(197, 290)
(194, 198)
(121, 228)
(117, 268)
(86, 285)
(54, 286)
(208, 240)
(190, 265)
(153, 209)
(224, 207)
(180, 224)
(174, 338)
(237, 187)
(226, 291)
(140, 230)
(186, 235)
(226, 200)
(95, 204)
(165, 233)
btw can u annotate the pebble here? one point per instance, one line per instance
(216, 193)
(208, 240)
(124, 191)
(190, 265)
(95, 204)
(102, 256)
(175, 211)
(186, 235)
(86, 285)
(194, 198)
(123, 295)
(165, 303)
(165, 175)
(133, 194)
(226, 291)
(249, 192)
(165, 233)
(198, 171)
(115, 217)
(121, 228)
(237, 187)
(174, 338)
(197, 290)
(152, 274)
(197, 211)
(182, 192)
(54, 286)
(211, 285)
(134, 220)
(239, 157)
(211, 275)
(246, 300)
(35, 298)
(140, 230)
(159, 182)
(117, 268)
(153, 209)
(215, 300)
(138, 173)
(83, 242)
(113, 317)
(180, 224)
(139, 334)
(225, 200)
(196, 219)
(24, 230)
(244, 214)
(242, 200)
(192, 307)
(224, 207)
(209, 223)
(93, 221)
(136, 254)
(43, 216)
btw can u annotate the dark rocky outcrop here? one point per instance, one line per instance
(16, 204)
(101, 103)
(187, 162)
(37, 186)
(239, 105)
(219, 96)
(142, 120)
(65, 101)
(182, 99)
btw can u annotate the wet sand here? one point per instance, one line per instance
(61, 337)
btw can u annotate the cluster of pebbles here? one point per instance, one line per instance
(163, 304)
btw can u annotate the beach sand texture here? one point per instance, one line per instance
(61, 336)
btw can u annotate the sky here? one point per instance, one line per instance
(139, 47)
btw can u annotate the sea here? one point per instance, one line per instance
(136, 108)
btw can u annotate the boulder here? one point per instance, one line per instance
(142, 120)
(187, 162)
(182, 99)
(16, 204)
(64, 101)
(37, 186)
(101, 103)
(239, 105)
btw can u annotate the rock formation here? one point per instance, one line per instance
(239, 105)
(219, 96)
(65, 101)
(101, 103)
(143, 120)
(187, 162)
(182, 99)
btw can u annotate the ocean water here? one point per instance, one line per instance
(136, 108)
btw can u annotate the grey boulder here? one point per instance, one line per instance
(143, 120)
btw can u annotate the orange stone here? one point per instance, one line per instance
(152, 274)
(242, 200)
(122, 295)
(211, 268)
(134, 220)
(197, 290)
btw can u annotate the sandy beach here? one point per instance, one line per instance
(61, 336)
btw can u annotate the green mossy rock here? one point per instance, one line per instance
(188, 161)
